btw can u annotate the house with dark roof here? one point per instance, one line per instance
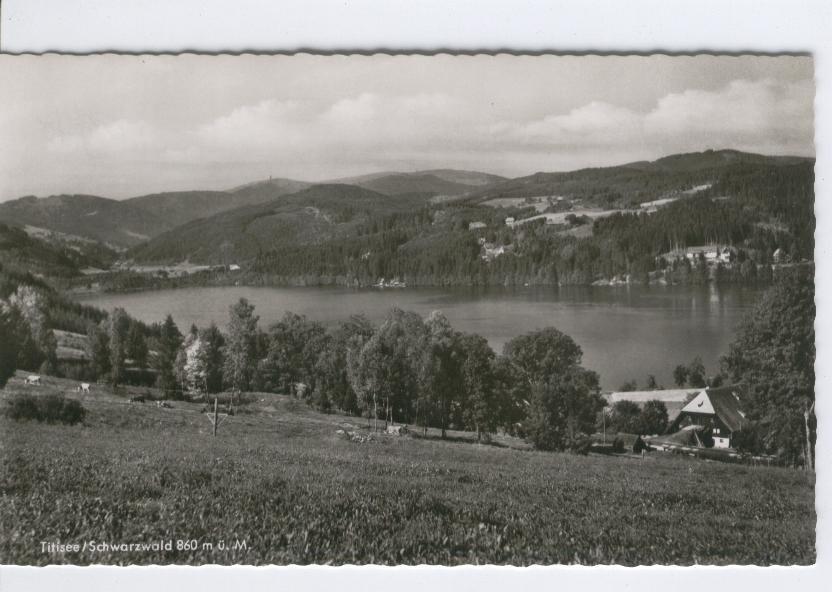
(716, 410)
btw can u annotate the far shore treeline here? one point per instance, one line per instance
(411, 370)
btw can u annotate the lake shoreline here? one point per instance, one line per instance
(133, 282)
(629, 331)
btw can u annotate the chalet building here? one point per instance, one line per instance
(718, 411)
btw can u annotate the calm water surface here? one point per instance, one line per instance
(625, 332)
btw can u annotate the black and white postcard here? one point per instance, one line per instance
(404, 309)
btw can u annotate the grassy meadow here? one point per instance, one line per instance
(278, 485)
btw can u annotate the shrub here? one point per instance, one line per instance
(625, 416)
(618, 445)
(22, 407)
(579, 444)
(654, 417)
(49, 408)
(73, 412)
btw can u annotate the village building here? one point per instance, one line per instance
(715, 410)
(491, 251)
(712, 254)
(476, 225)
(510, 221)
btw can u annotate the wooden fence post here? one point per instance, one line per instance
(215, 417)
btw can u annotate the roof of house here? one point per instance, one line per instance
(724, 402)
(665, 395)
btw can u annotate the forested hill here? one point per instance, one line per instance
(127, 222)
(619, 223)
(49, 256)
(601, 224)
(396, 184)
(89, 216)
(315, 215)
(180, 207)
(630, 184)
(440, 182)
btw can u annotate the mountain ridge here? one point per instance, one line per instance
(133, 221)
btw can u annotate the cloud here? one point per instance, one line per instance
(119, 137)
(266, 124)
(762, 115)
(593, 124)
(319, 138)
(358, 124)
(761, 112)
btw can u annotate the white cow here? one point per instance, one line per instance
(397, 430)
(33, 379)
(84, 387)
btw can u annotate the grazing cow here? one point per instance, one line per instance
(137, 399)
(33, 379)
(84, 387)
(164, 405)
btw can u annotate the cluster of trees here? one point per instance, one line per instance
(694, 375)
(422, 371)
(773, 357)
(52, 256)
(630, 418)
(785, 193)
(36, 346)
(408, 369)
(632, 385)
(30, 311)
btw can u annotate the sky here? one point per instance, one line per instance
(121, 126)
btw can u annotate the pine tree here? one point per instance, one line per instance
(136, 345)
(119, 325)
(9, 347)
(210, 358)
(169, 341)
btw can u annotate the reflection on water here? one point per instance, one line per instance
(627, 332)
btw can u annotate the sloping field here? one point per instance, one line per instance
(278, 485)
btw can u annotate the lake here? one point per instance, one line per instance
(625, 332)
